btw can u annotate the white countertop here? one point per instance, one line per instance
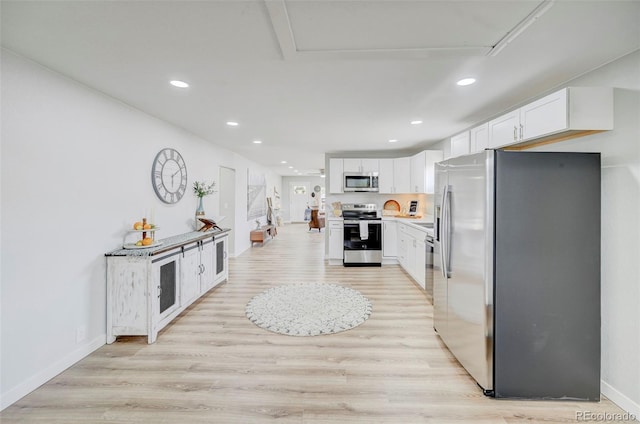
(413, 222)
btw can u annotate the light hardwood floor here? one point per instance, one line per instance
(212, 365)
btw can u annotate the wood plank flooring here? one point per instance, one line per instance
(212, 365)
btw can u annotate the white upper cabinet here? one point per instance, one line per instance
(361, 165)
(544, 116)
(417, 172)
(385, 176)
(570, 110)
(504, 130)
(460, 144)
(335, 175)
(394, 175)
(423, 171)
(402, 175)
(479, 138)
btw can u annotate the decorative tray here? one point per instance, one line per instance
(391, 205)
(133, 245)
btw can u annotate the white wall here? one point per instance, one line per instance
(620, 150)
(75, 173)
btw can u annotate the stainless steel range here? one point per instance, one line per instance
(362, 235)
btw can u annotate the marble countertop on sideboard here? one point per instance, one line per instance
(170, 243)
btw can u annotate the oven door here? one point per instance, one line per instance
(362, 242)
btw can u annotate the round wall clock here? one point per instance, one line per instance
(169, 175)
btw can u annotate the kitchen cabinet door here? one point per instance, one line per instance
(207, 260)
(402, 246)
(386, 181)
(504, 130)
(336, 170)
(423, 171)
(389, 239)
(336, 239)
(420, 262)
(479, 138)
(402, 175)
(431, 158)
(361, 165)
(221, 252)
(370, 165)
(418, 162)
(352, 165)
(190, 274)
(410, 258)
(544, 116)
(460, 144)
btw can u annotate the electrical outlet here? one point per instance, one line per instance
(81, 334)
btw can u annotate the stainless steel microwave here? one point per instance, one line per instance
(360, 181)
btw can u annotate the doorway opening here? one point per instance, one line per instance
(299, 201)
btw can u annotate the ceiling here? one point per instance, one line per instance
(309, 77)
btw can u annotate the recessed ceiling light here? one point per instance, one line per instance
(232, 123)
(291, 167)
(466, 81)
(257, 142)
(416, 122)
(295, 170)
(393, 141)
(283, 161)
(323, 176)
(179, 84)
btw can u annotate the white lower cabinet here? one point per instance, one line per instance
(389, 239)
(336, 240)
(420, 262)
(411, 252)
(402, 245)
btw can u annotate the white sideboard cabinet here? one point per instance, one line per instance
(147, 288)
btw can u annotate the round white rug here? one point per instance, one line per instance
(308, 309)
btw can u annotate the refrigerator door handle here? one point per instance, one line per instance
(441, 232)
(446, 251)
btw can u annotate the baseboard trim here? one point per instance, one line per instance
(23, 389)
(620, 399)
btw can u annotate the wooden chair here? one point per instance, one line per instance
(317, 221)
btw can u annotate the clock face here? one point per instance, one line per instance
(169, 175)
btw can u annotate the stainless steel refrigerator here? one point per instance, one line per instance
(517, 271)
